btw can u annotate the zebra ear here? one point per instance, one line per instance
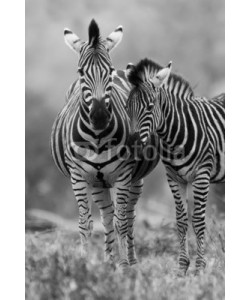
(114, 38)
(162, 76)
(129, 68)
(72, 40)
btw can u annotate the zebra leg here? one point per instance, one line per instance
(200, 192)
(103, 200)
(121, 196)
(135, 192)
(82, 195)
(179, 192)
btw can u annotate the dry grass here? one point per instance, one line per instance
(56, 270)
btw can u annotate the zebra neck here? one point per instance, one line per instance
(176, 124)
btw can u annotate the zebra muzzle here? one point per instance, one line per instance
(135, 145)
(99, 114)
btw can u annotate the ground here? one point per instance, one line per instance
(56, 270)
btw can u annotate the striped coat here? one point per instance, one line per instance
(192, 134)
(89, 144)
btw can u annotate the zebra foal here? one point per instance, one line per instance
(192, 135)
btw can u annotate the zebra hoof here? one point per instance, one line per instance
(199, 272)
(133, 261)
(123, 266)
(183, 267)
(200, 267)
(181, 273)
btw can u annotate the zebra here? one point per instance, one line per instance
(89, 142)
(192, 135)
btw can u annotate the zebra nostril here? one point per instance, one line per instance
(91, 114)
(137, 135)
(109, 109)
(108, 105)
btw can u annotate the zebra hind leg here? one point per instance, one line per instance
(103, 201)
(179, 192)
(135, 192)
(200, 191)
(80, 188)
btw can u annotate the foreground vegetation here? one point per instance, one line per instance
(56, 270)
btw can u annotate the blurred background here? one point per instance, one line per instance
(190, 33)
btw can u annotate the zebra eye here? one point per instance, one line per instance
(80, 71)
(150, 106)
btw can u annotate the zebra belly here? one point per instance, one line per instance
(218, 171)
(183, 175)
(181, 170)
(186, 174)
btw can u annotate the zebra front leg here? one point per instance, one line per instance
(179, 192)
(82, 195)
(104, 202)
(121, 195)
(200, 192)
(135, 192)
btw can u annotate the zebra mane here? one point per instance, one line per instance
(143, 71)
(94, 33)
(147, 68)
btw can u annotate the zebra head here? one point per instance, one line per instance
(95, 72)
(143, 103)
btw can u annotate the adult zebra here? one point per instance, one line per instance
(192, 136)
(88, 143)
